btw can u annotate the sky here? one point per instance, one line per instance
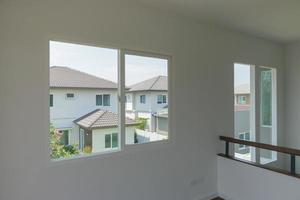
(103, 62)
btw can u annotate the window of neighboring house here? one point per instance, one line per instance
(111, 140)
(242, 100)
(161, 99)
(244, 136)
(64, 137)
(127, 98)
(99, 100)
(51, 100)
(106, 100)
(142, 99)
(70, 95)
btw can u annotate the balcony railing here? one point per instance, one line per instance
(292, 152)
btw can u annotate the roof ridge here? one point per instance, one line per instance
(158, 77)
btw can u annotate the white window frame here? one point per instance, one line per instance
(122, 147)
(111, 141)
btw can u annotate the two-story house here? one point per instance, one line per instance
(83, 108)
(145, 99)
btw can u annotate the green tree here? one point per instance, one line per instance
(58, 150)
(142, 123)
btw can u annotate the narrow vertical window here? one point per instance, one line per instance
(106, 100)
(98, 100)
(51, 100)
(143, 99)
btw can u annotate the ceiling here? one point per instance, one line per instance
(277, 20)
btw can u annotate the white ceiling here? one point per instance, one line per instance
(277, 20)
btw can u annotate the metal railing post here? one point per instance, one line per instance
(293, 164)
(227, 149)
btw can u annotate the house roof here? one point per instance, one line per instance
(158, 83)
(64, 77)
(242, 89)
(101, 119)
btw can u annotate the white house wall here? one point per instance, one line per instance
(99, 138)
(65, 111)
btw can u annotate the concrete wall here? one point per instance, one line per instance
(201, 72)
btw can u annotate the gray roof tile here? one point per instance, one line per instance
(101, 119)
(64, 77)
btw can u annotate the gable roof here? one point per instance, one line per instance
(101, 119)
(159, 83)
(64, 77)
(242, 89)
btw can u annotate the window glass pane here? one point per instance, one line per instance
(51, 100)
(108, 141)
(106, 100)
(266, 97)
(64, 137)
(243, 108)
(147, 115)
(85, 99)
(115, 142)
(99, 100)
(70, 95)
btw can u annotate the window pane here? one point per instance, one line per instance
(85, 98)
(64, 138)
(147, 114)
(243, 108)
(115, 142)
(99, 100)
(108, 141)
(70, 95)
(266, 97)
(106, 100)
(51, 100)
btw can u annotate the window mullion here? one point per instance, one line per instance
(121, 96)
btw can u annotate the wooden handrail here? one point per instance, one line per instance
(293, 152)
(281, 149)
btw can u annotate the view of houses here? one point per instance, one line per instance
(84, 110)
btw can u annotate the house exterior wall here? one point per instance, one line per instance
(99, 137)
(151, 104)
(65, 111)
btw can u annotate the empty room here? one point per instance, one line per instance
(149, 100)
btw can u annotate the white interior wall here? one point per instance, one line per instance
(292, 94)
(239, 181)
(201, 91)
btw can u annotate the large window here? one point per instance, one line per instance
(97, 82)
(255, 110)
